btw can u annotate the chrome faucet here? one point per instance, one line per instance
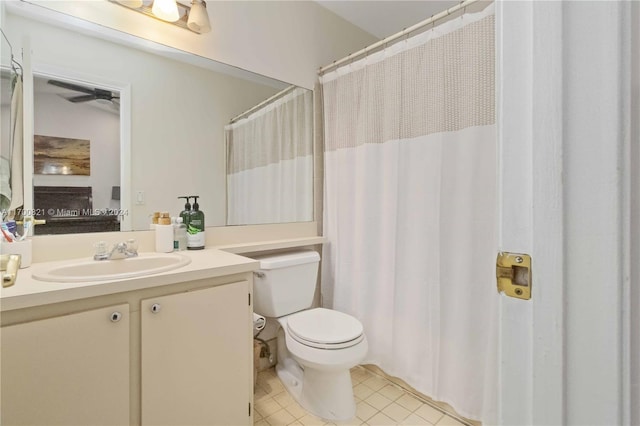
(119, 251)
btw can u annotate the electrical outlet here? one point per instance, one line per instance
(140, 198)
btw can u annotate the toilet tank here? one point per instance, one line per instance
(285, 283)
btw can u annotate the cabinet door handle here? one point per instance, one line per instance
(115, 316)
(155, 308)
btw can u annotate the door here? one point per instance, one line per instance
(563, 119)
(67, 370)
(197, 357)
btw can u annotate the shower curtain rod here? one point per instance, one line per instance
(398, 35)
(263, 103)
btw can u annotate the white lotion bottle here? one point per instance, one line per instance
(164, 234)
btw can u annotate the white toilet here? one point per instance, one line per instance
(316, 347)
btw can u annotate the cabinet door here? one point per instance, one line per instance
(196, 357)
(68, 370)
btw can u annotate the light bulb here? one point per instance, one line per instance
(134, 4)
(198, 17)
(167, 10)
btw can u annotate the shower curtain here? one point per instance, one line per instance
(270, 163)
(410, 209)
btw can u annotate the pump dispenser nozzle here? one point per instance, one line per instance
(187, 206)
(184, 214)
(196, 206)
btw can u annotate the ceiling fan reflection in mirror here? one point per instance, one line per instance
(90, 94)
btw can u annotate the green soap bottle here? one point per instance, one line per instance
(195, 227)
(184, 214)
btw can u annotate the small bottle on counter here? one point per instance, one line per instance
(164, 234)
(154, 220)
(179, 235)
(195, 228)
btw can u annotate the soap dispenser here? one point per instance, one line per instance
(195, 227)
(184, 214)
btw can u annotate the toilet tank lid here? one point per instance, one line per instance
(283, 260)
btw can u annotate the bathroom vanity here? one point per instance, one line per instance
(170, 348)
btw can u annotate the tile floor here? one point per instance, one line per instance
(378, 402)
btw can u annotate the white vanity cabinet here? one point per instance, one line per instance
(176, 353)
(67, 370)
(196, 347)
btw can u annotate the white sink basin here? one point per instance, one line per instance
(104, 270)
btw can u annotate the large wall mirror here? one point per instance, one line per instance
(143, 124)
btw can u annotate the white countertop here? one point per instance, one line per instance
(207, 263)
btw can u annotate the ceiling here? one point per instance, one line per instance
(384, 18)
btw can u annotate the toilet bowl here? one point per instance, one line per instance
(316, 347)
(315, 374)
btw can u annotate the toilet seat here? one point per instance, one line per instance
(325, 329)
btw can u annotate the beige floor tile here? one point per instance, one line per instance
(415, 420)
(396, 412)
(284, 399)
(311, 420)
(352, 422)
(364, 411)
(263, 375)
(377, 401)
(296, 410)
(375, 382)
(267, 407)
(256, 416)
(280, 418)
(409, 402)
(272, 385)
(381, 419)
(259, 394)
(392, 392)
(449, 421)
(362, 391)
(429, 413)
(359, 374)
(355, 379)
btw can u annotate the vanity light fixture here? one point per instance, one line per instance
(198, 18)
(193, 18)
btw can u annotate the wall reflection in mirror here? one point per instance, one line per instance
(76, 157)
(176, 110)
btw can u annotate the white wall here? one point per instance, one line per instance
(285, 40)
(178, 114)
(55, 116)
(635, 220)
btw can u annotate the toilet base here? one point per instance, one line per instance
(325, 394)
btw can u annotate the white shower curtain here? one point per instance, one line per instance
(410, 209)
(270, 163)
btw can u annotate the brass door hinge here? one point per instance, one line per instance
(513, 274)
